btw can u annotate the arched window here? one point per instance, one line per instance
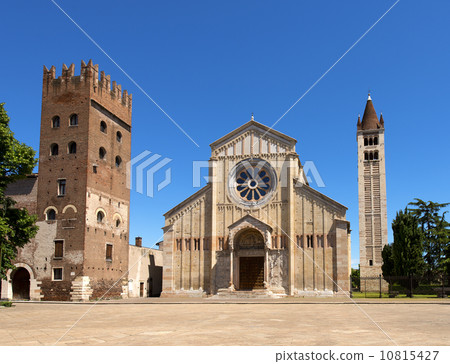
(375, 156)
(103, 127)
(100, 217)
(101, 153)
(117, 223)
(366, 156)
(73, 120)
(72, 148)
(366, 142)
(119, 136)
(118, 161)
(371, 156)
(370, 141)
(50, 215)
(54, 149)
(55, 122)
(375, 141)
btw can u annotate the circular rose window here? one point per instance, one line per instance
(252, 182)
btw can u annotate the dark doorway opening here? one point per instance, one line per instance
(21, 284)
(251, 273)
(141, 289)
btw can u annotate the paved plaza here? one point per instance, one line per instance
(213, 322)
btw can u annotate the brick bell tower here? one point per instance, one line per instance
(373, 234)
(85, 144)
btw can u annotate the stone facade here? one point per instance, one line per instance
(373, 229)
(256, 225)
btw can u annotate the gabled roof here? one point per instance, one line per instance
(252, 124)
(251, 219)
(189, 200)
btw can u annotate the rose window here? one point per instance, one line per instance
(251, 182)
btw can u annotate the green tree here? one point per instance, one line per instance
(17, 227)
(433, 225)
(388, 261)
(407, 249)
(356, 281)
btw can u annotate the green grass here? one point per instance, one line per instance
(5, 304)
(386, 295)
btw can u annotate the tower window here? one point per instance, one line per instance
(366, 156)
(61, 187)
(103, 127)
(55, 122)
(72, 148)
(54, 149)
(50, 215)
(375, 156)
(100, 217)
(371, 156)
(366, 142)
(73, 120)
(371, 262)
(57, 274)
(59, 249)
(118, 161)
(101, 153)
(119, 136)
(375, 141)
(117, 223)
(370, 141)
(109, 248)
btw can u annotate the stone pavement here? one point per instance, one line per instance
(206, 322)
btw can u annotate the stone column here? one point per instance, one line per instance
(168, 248)
(342, 256)
(266, 267)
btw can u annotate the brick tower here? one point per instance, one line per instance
(85, 144)
(371, 192)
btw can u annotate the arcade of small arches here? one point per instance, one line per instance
(370, 141)
(371, 156)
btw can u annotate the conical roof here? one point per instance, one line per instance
(370, 118)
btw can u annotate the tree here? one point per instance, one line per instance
(356, 280)
(407, 247)
(434, 227)
(17, 226)
(388, 261)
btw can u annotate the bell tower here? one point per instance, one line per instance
(373, 233)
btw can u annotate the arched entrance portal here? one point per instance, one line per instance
(250, 250)
(21, 284)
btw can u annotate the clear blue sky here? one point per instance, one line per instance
(210, 64)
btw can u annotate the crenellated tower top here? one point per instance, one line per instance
(88, 81)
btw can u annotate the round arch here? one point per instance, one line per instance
(69, 207)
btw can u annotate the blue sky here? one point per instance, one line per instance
(210, 64)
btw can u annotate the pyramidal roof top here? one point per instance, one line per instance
(370, 119)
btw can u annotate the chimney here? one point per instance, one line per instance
(139, 241)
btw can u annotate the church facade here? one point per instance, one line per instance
(256, 226)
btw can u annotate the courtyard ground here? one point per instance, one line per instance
(154, 321)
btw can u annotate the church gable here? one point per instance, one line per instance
(253, 138)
